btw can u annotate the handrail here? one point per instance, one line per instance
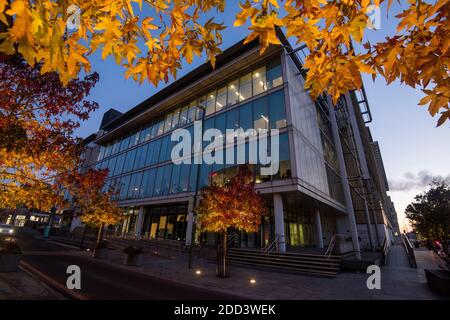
(272, 245)
(231, 238)
(409, 251)
(331, 245)
(385, 250)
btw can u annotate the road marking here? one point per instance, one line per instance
(26, 267)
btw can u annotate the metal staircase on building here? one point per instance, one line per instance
(325, 265)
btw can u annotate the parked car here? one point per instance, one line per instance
(6, 230)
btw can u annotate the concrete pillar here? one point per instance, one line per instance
(369, 226)
(139, 222)
(190, 222)
(344, 179)
(279, 221)
(318, 227)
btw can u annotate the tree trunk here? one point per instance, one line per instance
(99, 235)
(222, 263)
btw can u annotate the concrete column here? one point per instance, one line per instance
(318, 227)
(190, 222)
(344, 179)
(139, 222)
(369, 226)
(279, 221)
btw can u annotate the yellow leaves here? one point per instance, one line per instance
(3, 19)
(20, 31)
(247, 11)
(264, 28)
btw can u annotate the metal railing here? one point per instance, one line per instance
(385, 250)
(409, 251)
(272, 245)
(331, 245)
(232, 238)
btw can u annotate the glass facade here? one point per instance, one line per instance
(140, 165)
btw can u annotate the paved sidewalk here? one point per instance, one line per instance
(22, 286)
(396, 282)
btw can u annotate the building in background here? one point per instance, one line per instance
(331, 179)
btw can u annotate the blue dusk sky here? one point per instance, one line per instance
(413, 149)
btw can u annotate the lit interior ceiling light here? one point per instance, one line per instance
(257, 74)
(219, 104)
(265, 118)
(252, 281)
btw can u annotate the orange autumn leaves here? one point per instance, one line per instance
(151, 38)
(119, 29)
(234, 205)
(418, 55)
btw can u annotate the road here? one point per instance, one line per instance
(101, 281)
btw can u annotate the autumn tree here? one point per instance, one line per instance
(429, 213)
(235, 205)
(95, 205)
(38, 116)
(151, 38)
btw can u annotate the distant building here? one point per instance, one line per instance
(331, 177)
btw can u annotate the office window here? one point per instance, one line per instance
(259, 81)
(221, 98)
(159, 128)
(220, 123)
(129, 160)
(165, 145)
(274, 74)
(135, 185)
(141, 154)
(145, 134)
(107, 151)
(184, 177)
(184, 115)
(232, 119)
(245, 87)
(134, 139)
(118, 169)
(277, 110)
(111, 166)
(124, 185)
(115, 147)
(168, 122)
(233, 92)
(210, 103)
(176, 118)
(101, 153)
(156, 150)
(193, 177)
(166, 179)
(260, 114)
(201, 108)
(148, 182)
(204, 178)
(191, 112)
(158, 181)
(124, 143)
(175, 186)
(284, 171)
(246, 116)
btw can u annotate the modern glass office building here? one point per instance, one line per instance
(306, 197)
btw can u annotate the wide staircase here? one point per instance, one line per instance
(319, 264)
